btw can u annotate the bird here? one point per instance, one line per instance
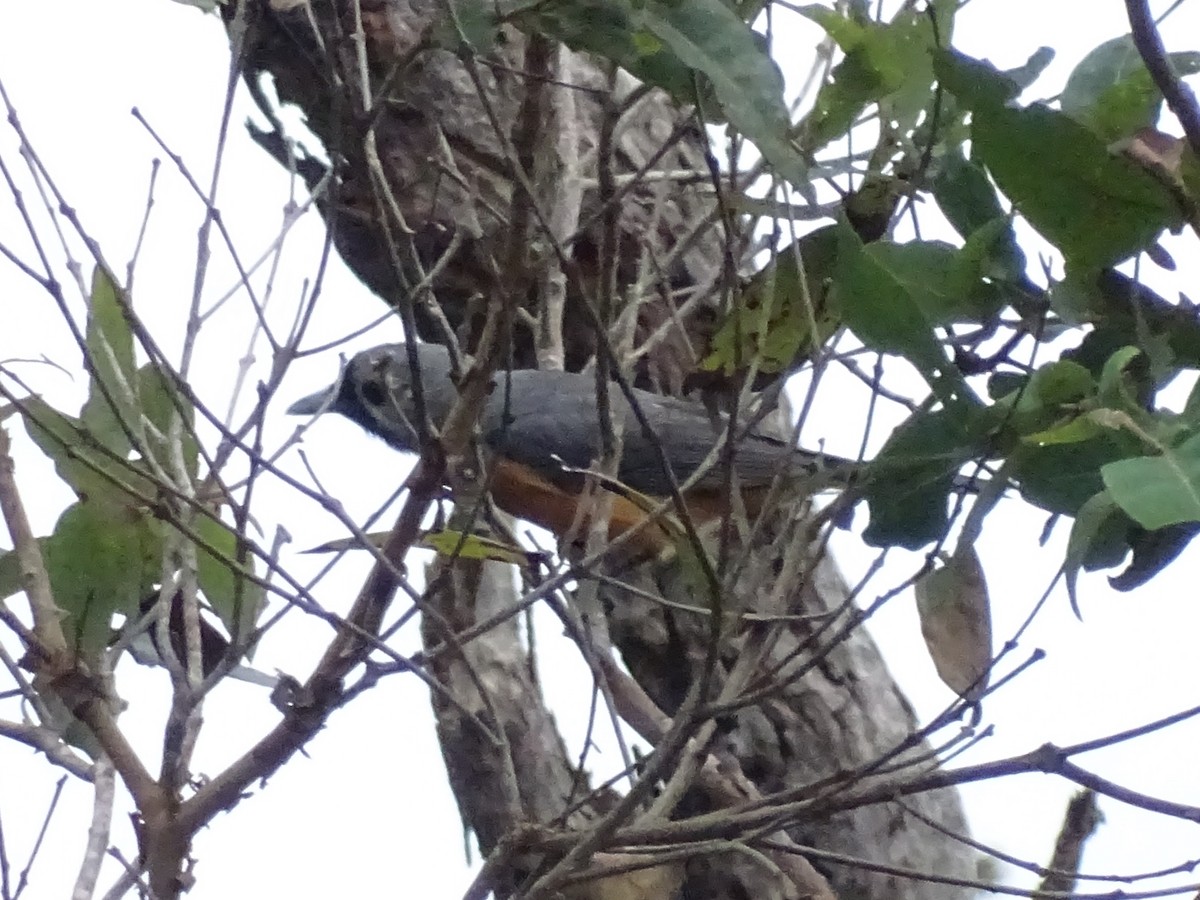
(541, 431)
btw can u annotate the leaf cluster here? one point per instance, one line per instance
(131, 457)
(1052, 384)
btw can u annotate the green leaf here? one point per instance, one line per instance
(976, 84)
(772, 320)
(109, 344)
(888, 63)
(1061, 477)
(967, 199)
(606, 27)
(964, 194)
(1058, 383)
(1052, 397)
(77, 458)
(1117, 388)
(161, 402)
(710, 38)
(668, 43)
(908, 485)
(10, 574)
(1097, 540)
(235, 598)
(941, 279)
(1098, 209)
(97, 566)
(877, 297)
(470, 22)
(1111, 91)
(1157, 491)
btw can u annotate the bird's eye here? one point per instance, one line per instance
(373, 393)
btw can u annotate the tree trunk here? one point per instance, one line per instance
(447, 138)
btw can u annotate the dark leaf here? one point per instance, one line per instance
(1097, 540)
(1153, 551)
(909, 483)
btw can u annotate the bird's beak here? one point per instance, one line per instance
(314, 403)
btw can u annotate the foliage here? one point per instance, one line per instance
(1083, 423)
(129, 457)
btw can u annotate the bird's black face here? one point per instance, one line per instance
(373, 392)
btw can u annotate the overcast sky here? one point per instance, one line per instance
(369, 807)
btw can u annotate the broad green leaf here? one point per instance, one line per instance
(710, 38)
(1157, 491)
(941, 279)
(1098, 209)
(1061, 477)
(851, 87)
(1118, 388)
(1191, 409)
(846, 30)
(904, 48)
(908, 485)
(96, 561)
(888, 313)
(10, 574)
(1073, 298)
(1111, 91)
(91, 473)
(1060, 382)
(1050, 399)
(956, 622)
(235, 598)
(470, 22)
(606, 27)
(991, 251)
(109, 340)
(667, 44)
(969, 202)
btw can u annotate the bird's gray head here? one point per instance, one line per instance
(374, 390)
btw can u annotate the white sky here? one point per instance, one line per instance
(369, 806)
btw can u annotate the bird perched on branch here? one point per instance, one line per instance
(541, 430)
